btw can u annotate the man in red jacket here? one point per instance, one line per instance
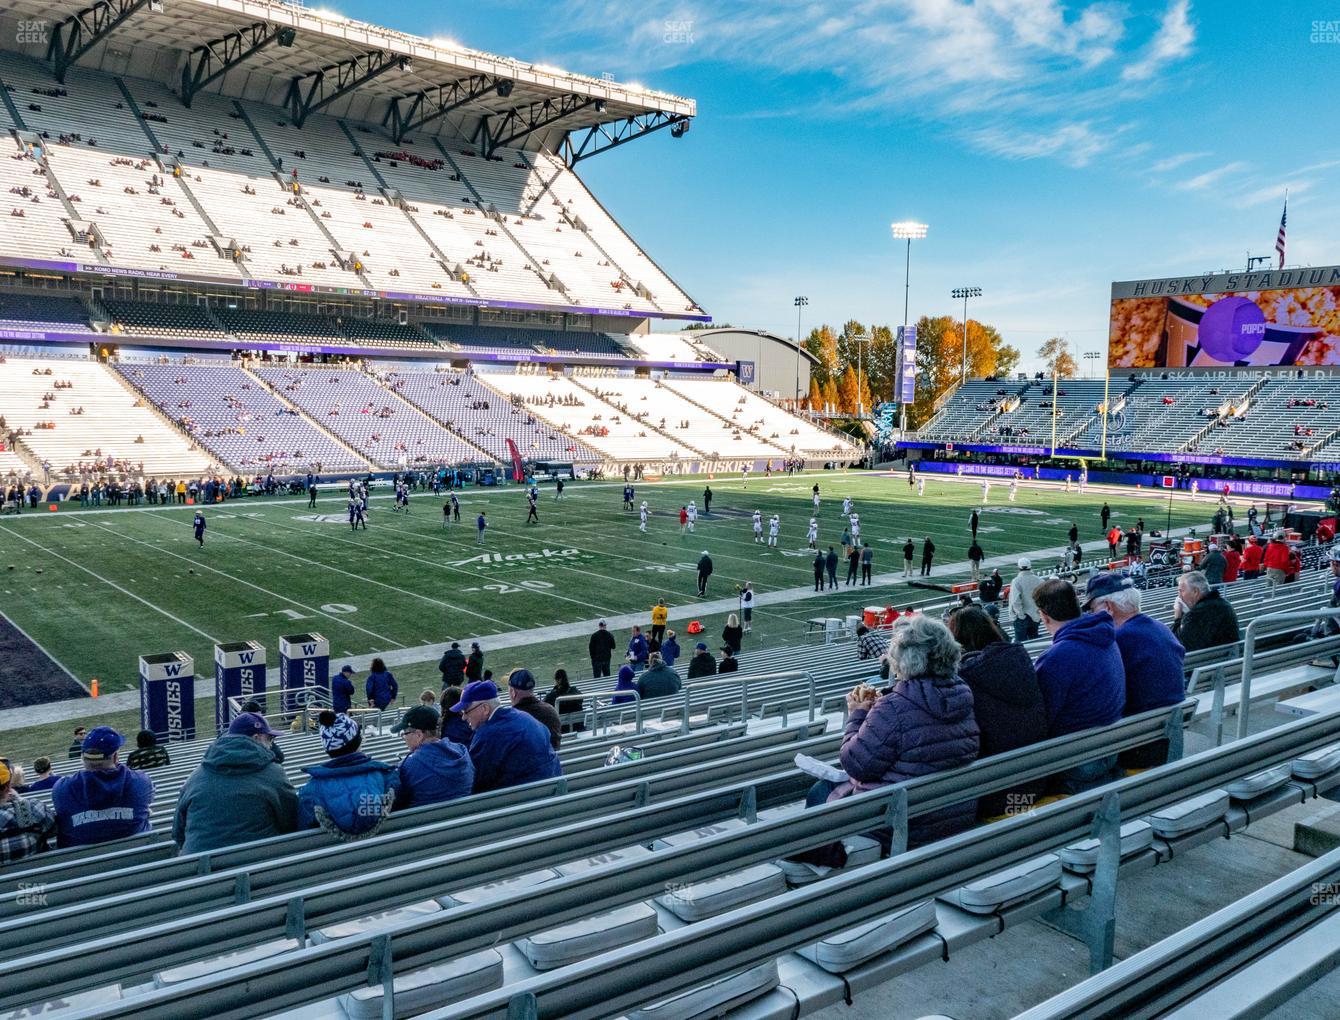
(1251, 559)
(1277, 562)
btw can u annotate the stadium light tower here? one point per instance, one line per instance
(860, 340)
(800, 303)
(910, 230)
(1091, 357)
(965, 293)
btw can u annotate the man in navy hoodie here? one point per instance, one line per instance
(509, 747)
(1081, 675)
(435, 769)
(1150, 654)
(106, 800)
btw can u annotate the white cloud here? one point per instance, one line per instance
(1075, 144)
(1273, 192)
(1209, 177)
(1175, 37)
(1173, 162)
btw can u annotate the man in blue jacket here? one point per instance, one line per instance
(350, 795)
(1150, 654)
(434, 769)
(106, 800)
(670, 650)
(638, 649)
(342, 690)
(509, 747)
(1081, 675)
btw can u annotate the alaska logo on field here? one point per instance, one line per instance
(322, 518)
(494, 559)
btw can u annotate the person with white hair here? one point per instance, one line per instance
(1023, 610)
(1150, 654)
(923, 724)
(1202, 618)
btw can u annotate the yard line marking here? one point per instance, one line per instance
(438, 566)
(264, 591)
(113, 584)
(358, 577)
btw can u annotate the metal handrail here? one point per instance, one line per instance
(1249, 651)
(594, 707)
(743, 683)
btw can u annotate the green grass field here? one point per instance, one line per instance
(98, 588)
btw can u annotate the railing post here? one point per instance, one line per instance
(684, 725)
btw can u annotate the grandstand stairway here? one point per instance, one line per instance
(303, 200)
(644, 421)
(669, 385)
(278, 394)
(1096, 419)
(549, 278)
(53, 182)
(448, 426)
(395, 198)
(575, 221)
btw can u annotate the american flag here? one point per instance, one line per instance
(1279, 238)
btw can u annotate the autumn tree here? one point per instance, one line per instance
(823, 344)
(816, 395)
(1055, 354)
(830, 393)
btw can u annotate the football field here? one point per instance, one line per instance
(97, 588)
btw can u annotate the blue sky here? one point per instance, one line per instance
(1052, 148)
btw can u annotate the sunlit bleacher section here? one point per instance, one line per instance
(971, 408)
(672, 347)
(330, 202)
(570, 405)
(484, 416)
(746, 410)
(656, 403)
(1300, 417)
(235, 416)
(113, 429)
(98, 152)
(369, 418)
(619, 250)
(668, 885)
(1283, 417)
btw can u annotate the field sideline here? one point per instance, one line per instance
(98, 588)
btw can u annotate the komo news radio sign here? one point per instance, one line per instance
(1274, 318)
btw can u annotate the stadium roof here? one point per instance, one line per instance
(308, 59)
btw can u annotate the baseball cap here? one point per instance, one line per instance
(5, 774)
(420, 717)
(1103, 584)
(346, 668)
(704, 552)
(700, 646)
(1334, 554)
(521, 679)
(100, 743)
(247, 724)
(1025, 563)
(474, 693)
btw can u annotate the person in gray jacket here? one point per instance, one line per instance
(238, 794)
(659, 679)
(1022, 607)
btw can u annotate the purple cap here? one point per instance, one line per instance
(251, 724)
(1104, 584)
(100, 743)
(521, 679)
(474, 693)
